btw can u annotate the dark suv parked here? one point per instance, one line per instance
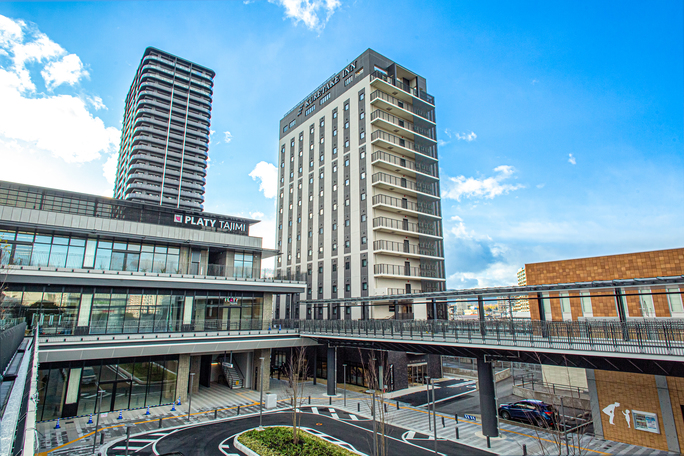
(532, 411)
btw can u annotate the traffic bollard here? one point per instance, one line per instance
(238, 410)
(457, 436)
(330, 400)
(385, 407)
(160, 423)
(102, 438)
(524, 450)
(489, 444)
(397, 405)
(443, 424)
(358, 406)
(309, 400)
(216, 414)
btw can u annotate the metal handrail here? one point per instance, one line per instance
(428, 151)
(404, 163)
(418, 93)
(632, 337)
(428, 115)
(398, 121)
(425, 208)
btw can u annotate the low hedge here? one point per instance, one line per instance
(277, 441)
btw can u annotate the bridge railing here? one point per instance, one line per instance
(634, 337)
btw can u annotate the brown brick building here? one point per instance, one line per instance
(646, 410)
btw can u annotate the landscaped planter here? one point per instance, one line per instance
(277, 441)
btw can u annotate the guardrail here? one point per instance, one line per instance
(644, 337)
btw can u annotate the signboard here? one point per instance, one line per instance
(645, 421)
(215, 224)
(470, 417)
(326, 87)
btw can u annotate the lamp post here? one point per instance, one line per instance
(344, 375)
(192, 377)
(261, 394)
(427, 380)
(100, 392)
(434, 414)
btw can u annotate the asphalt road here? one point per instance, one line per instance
(351, 431)
(445, 390)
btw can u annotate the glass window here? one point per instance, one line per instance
(24, 237)
(103, 257)
(43, 239)
(7, 235)
(119, 246)
(585, 299)
(132, 260)
(22, 254)
(118, 261)
(60, 240)
(58, 256)
(674, 298)
(146, 261)
(40, 254)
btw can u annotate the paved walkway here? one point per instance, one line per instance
(76, 437)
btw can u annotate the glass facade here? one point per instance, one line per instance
(69, 389)
(87, 310)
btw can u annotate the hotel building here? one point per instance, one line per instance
(358, 205)
(165, 134)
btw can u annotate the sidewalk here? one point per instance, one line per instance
(75, 436)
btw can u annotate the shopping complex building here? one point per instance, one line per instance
(103, 278)
(644, 408)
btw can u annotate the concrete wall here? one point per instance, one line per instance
(561, 375)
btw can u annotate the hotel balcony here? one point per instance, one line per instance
(407, 110)
(403, 146)
(404, 227)
(401, 126)
(404, 250)
(393, 270)
(388, 83)
(389, 182)
(394, 163)
(405, 207)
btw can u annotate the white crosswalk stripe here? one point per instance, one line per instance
(353, 417)
(314, 410)
(333, 414)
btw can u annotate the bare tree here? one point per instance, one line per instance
(378, 383)
(296, 372)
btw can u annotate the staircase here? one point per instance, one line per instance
(233, 376)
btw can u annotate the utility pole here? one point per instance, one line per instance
(344, 374)
(434, 414)
(427, 379)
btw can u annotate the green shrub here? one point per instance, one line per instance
(277, 441)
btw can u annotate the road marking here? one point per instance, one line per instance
(333, 414)
(314, 410)
(353, 417)
(410, 435)
(472, 389)
(143, 440)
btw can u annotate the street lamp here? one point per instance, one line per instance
(344, 375)
(261, 394)
(100, 392)
(192, 377)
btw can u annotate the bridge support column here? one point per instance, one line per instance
(332, 371)
(485, 378)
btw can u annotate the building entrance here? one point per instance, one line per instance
(417, 373)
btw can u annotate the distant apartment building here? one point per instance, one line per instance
(359, 207)
(656, 402)
(165, 135)
(521, 304)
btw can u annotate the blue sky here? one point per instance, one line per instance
(561, 124)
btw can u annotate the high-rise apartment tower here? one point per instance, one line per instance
(358, 202)
(165, 135)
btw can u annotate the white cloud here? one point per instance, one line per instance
(466, 136)
(572, 160)
(541, 185)
(68, 70)
(109, 168)
(535, 81)
(45, 126)
(267, 173)
(485, 187)
(307, 11)
(442, 143)
(229, 137)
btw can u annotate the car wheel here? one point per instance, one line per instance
(505, 415)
